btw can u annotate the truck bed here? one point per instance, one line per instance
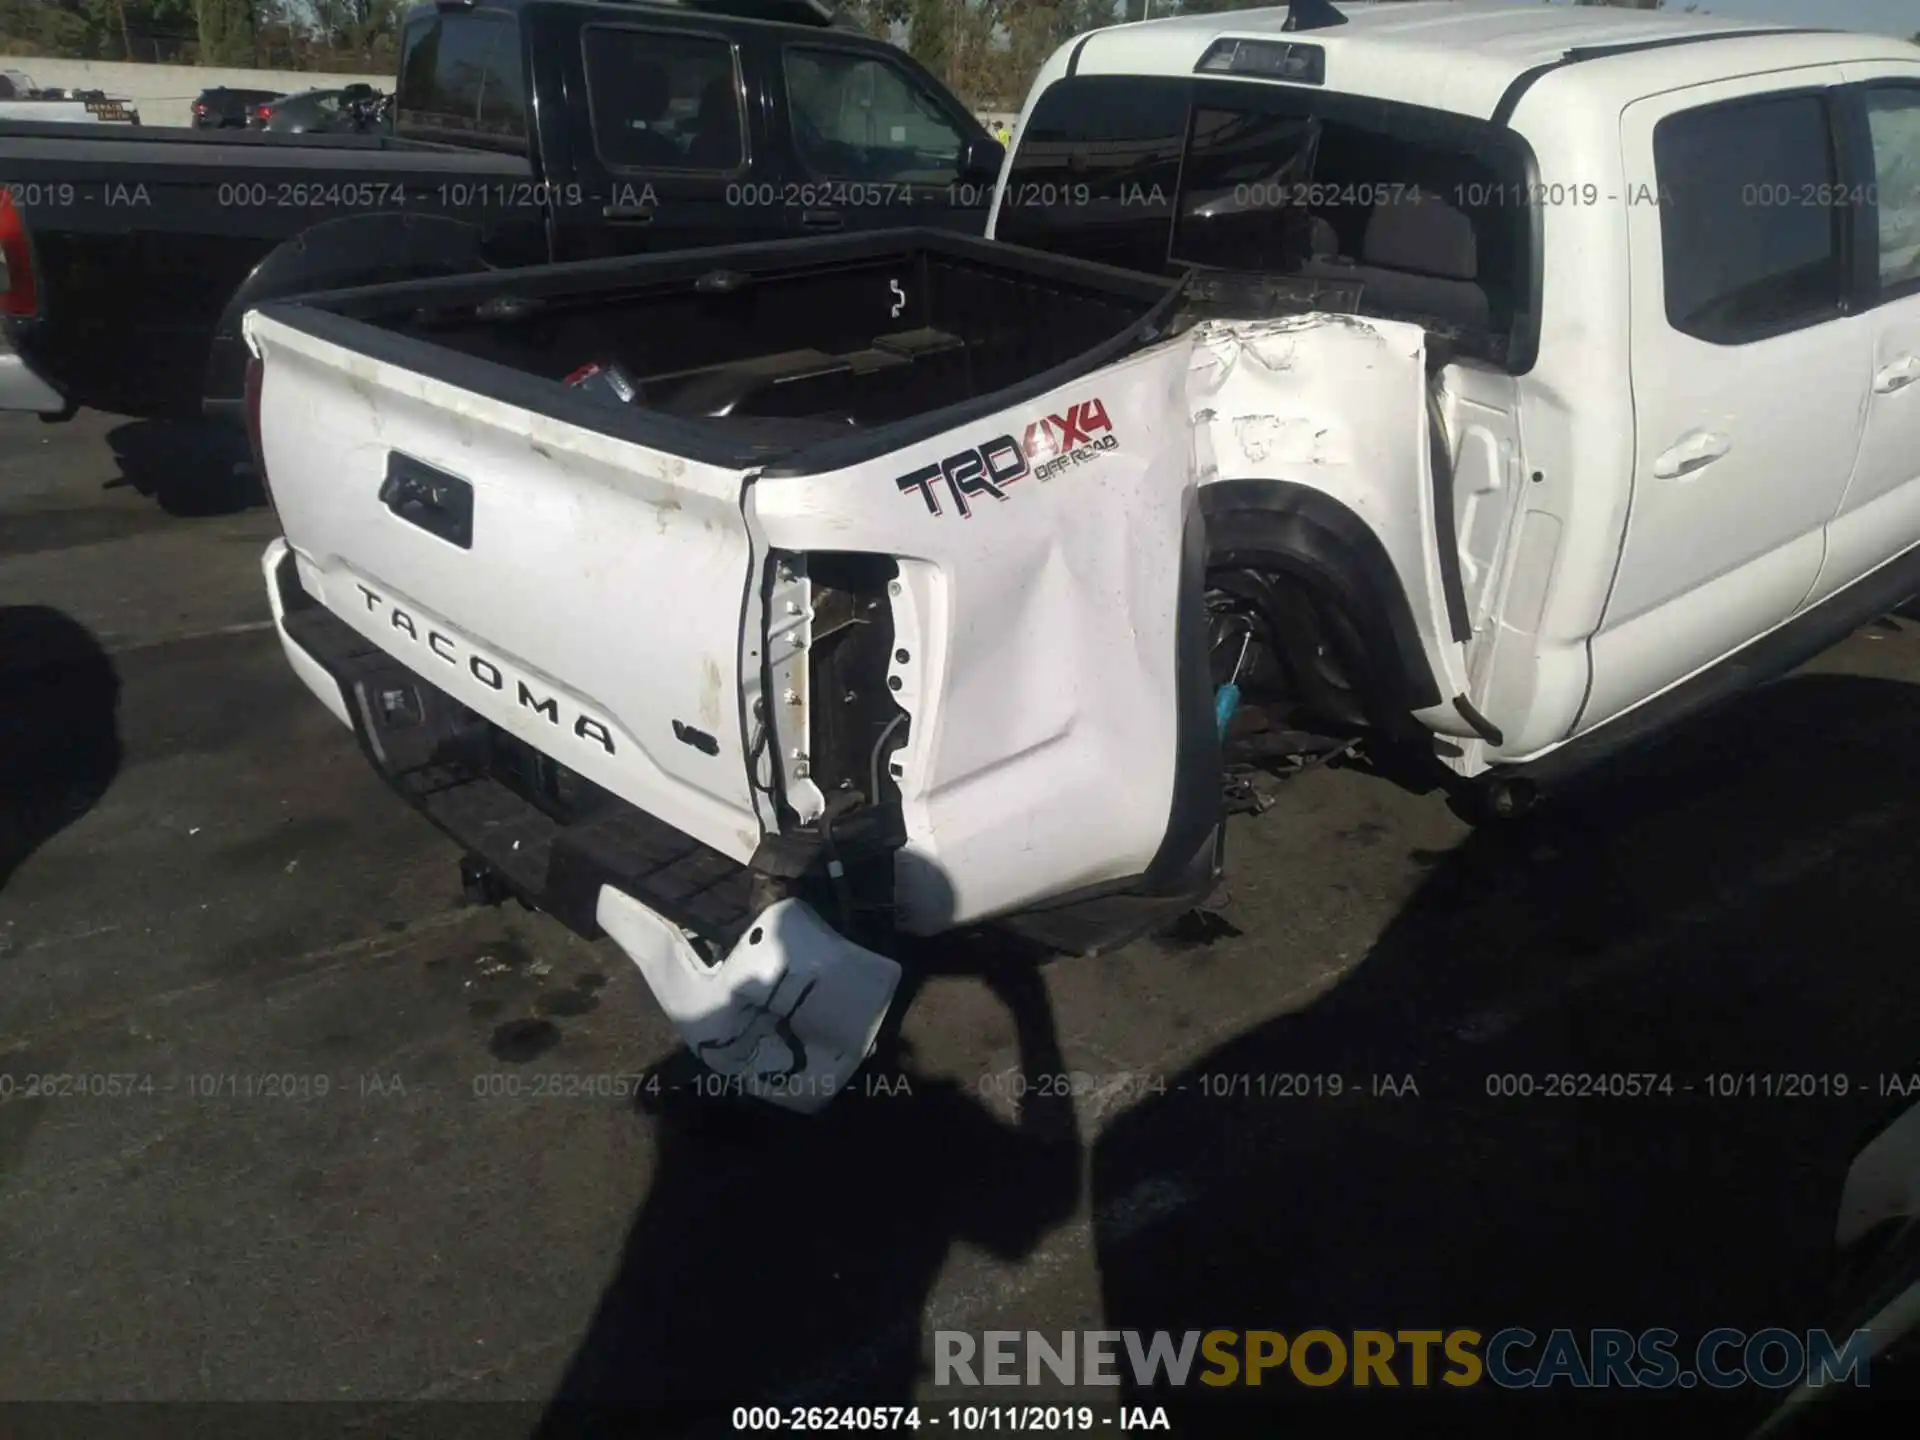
(596, 581)
(744, 350)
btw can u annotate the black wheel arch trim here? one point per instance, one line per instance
(1278, 523)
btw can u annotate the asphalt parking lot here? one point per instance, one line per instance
(360, 1151)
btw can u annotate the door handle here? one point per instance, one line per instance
(822, 220)
(627, 214)
(1897, 376)
(1701, 447)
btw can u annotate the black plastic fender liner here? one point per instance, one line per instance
(1276, 525)
(1195, 811)
(350, 250)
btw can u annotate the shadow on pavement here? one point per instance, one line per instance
(783, 1258)
(1743, 901)
(59, 733)
(191, 468)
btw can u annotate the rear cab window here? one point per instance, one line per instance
(1096, 170)
(1752, 218)
(463, 81)
(1342, 202)
(662, 100)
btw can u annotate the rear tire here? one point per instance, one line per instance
(1503, 800)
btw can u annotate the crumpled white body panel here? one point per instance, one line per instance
(1337, 404)
(791, 1012)
(1884, 1181)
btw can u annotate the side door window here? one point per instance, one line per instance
(664, 101)
(1893, 126)
(856, 117)
(672, 156)
(1751, 219)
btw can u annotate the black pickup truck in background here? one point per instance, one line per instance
(523, 131)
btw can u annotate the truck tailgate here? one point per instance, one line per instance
(585, 594)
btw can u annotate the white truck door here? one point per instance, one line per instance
(1749, 375)
(1880, 514)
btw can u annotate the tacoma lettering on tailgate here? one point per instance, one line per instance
(457, 653)
(1048, 447)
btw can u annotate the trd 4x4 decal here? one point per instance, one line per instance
(1048, 447)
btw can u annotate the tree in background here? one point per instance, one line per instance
(931, 27)
(287, 34)
(986, 50)
(92, 29)
(350, 27)
(226, 31)
(878, 18)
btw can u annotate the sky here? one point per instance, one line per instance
(1891, 17)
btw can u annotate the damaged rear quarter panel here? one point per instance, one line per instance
(1040, 631)
(1337, 404)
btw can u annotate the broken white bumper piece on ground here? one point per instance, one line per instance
(790, 1012)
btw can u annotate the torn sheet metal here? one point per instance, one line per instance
(792, 1010)
(1337, 404)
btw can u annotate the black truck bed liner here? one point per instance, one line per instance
(748, 350)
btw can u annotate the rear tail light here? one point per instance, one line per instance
(265, 112)
(256, 378)
(17, 296)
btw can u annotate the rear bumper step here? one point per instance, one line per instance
(429, 749)
(781, 1001)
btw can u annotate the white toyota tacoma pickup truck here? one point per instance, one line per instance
(1498, 383)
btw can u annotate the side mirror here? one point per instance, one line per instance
(981, 158)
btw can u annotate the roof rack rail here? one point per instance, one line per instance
(787, 12)
(1312, 15)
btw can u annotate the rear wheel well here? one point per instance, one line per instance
(1333, 640)
(1301, 650)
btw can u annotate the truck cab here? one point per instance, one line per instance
(1662, 275)
(664, 126)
